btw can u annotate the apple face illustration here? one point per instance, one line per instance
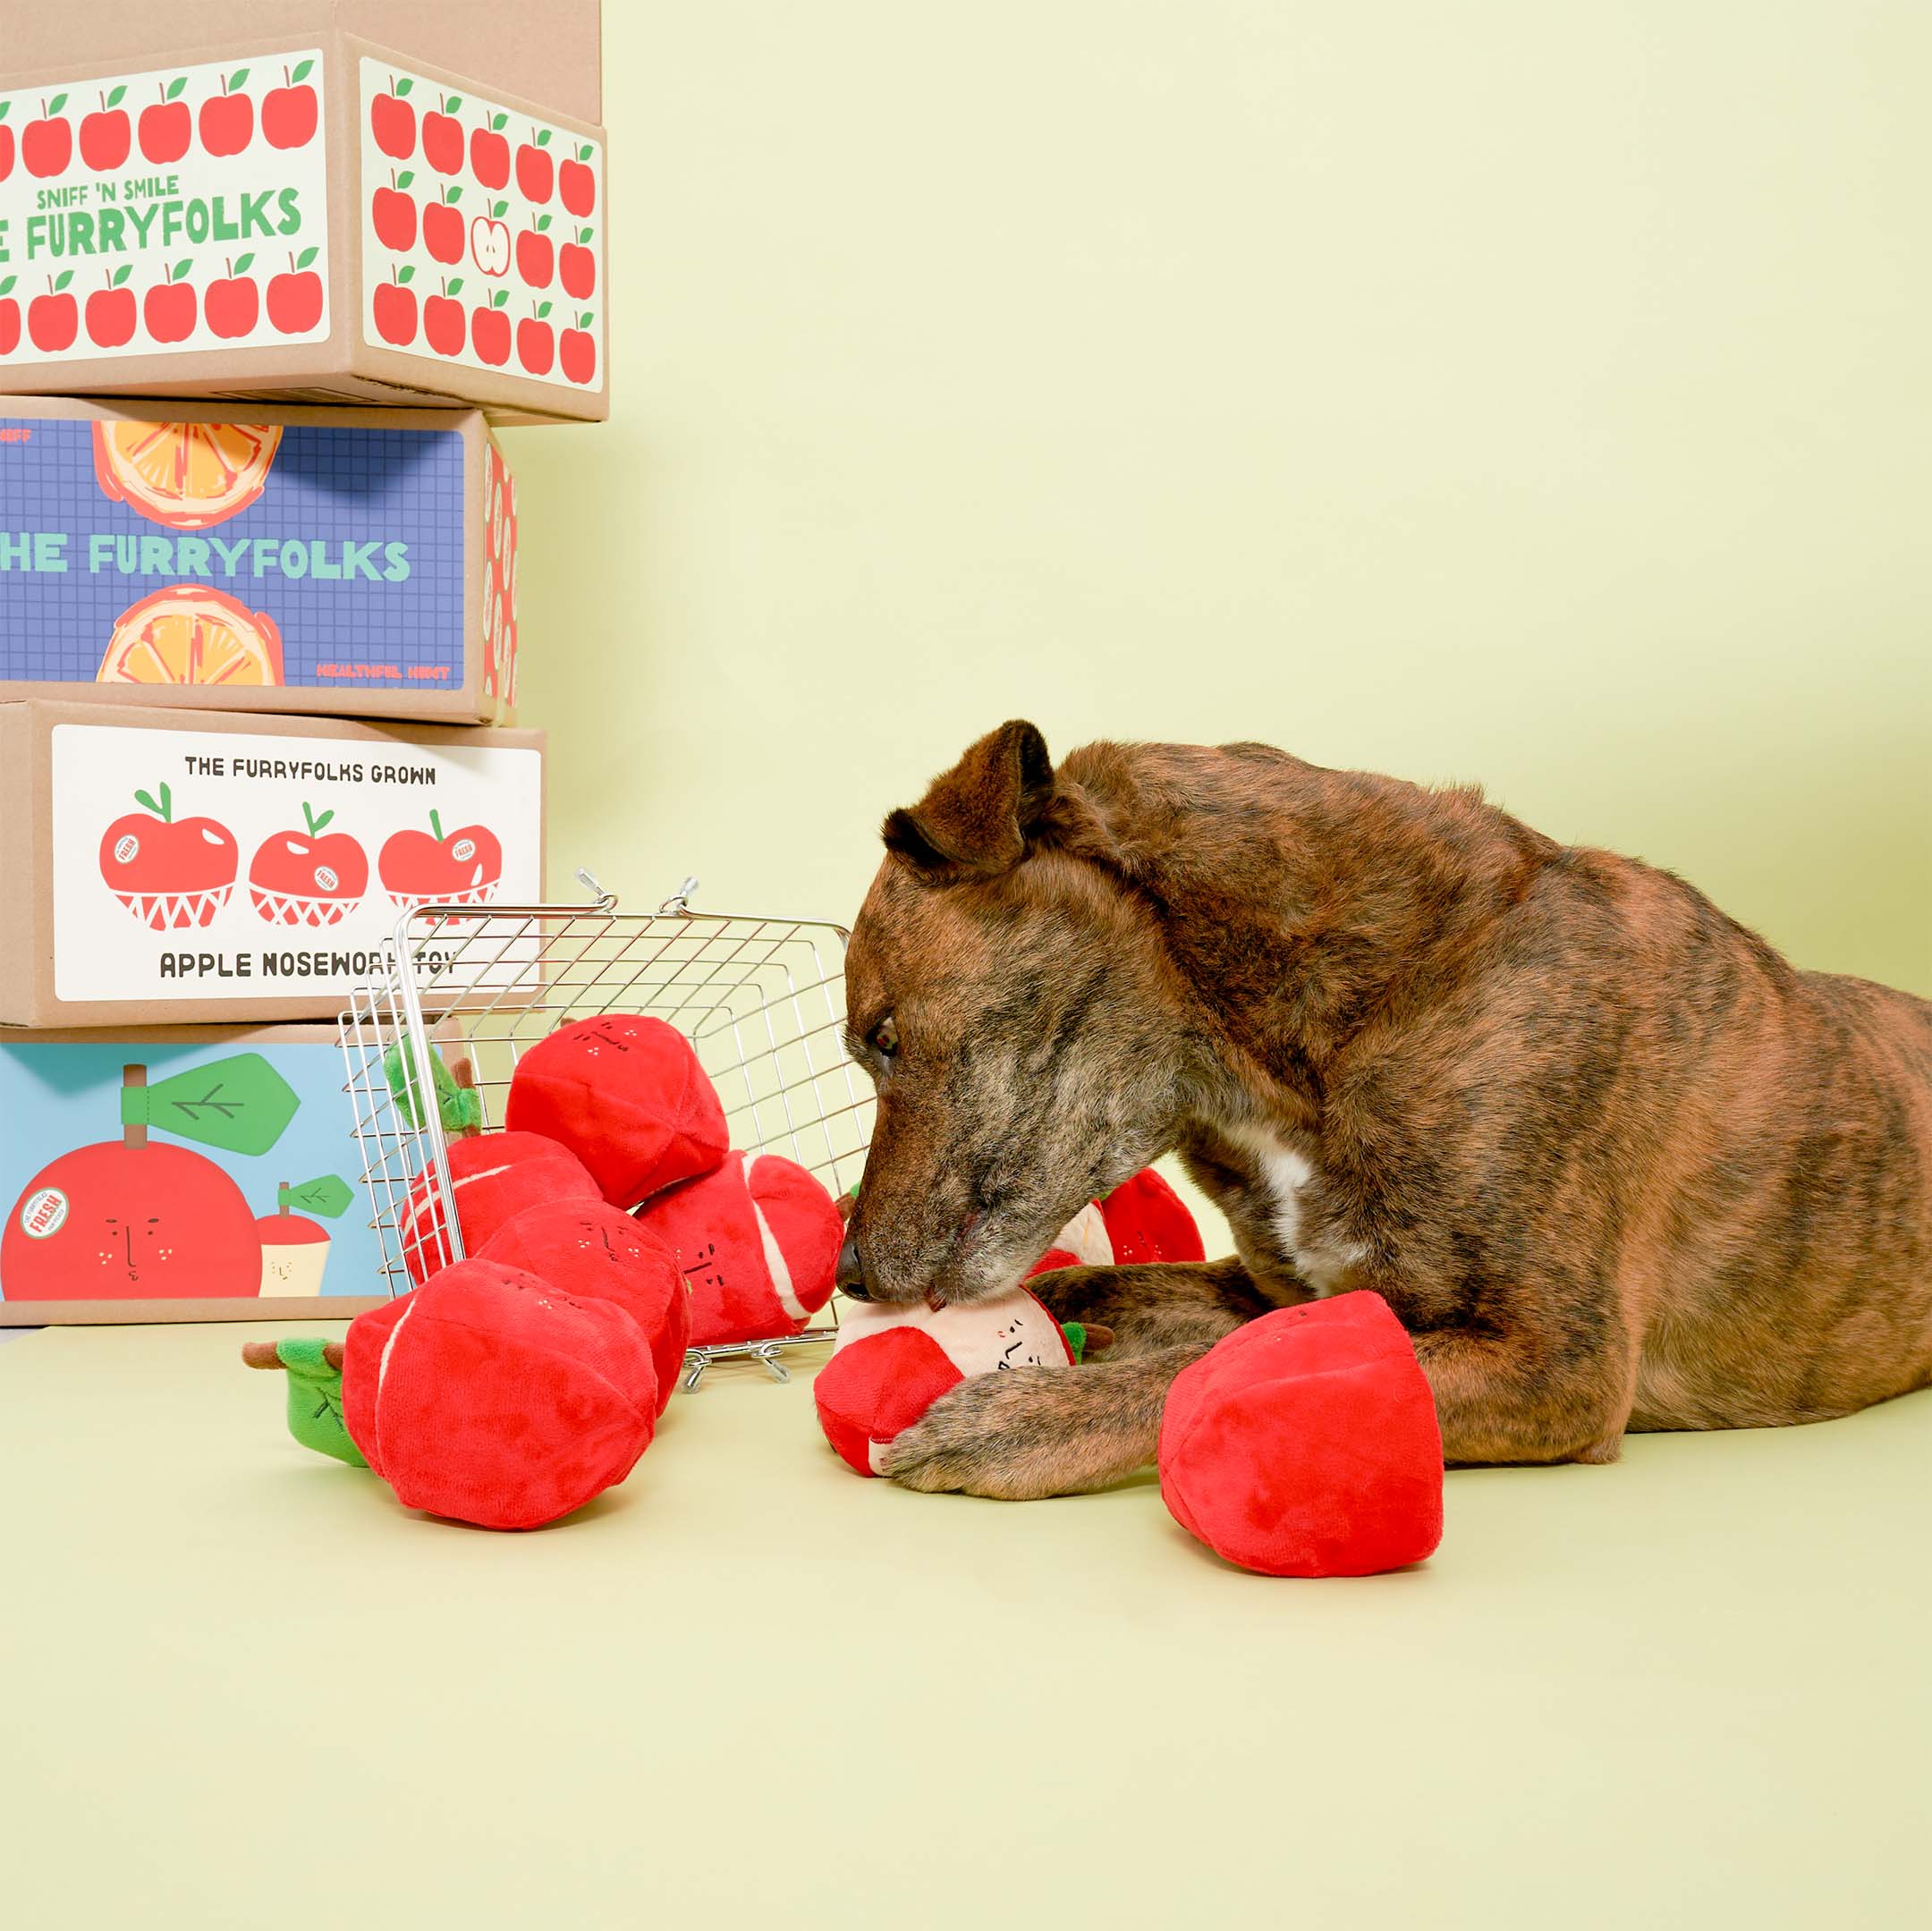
(461, 867)
(131, 1222)
(294, 1254)
(308, 878)
(106, 136)
(295, 299)
(489, 335)
(534, 258)
(396, 310)
(443, 226)
(577, 353)
(227, 119)
(168, 308)
(171, 873)
(288, 112)
(577, 267)
(535, 172)
(233, 306)
(112, 313)
(576, 185)
(443, 136)
(53, 320)
(490, 245)
(393, 122)
(166, 129)
(443, 323)
(46, 145)
(489, 153)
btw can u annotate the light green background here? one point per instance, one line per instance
(1534, 394)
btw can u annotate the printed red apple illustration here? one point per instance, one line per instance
(489, 240)
(535, 341)
(228, 118)
(576, 184)
(393, 120)
(166, 129)
(168, 308)
(395, 304)
(46, 145)
(171, 873)
(308, 878)
(577, 267)
(233, 306)
(534, 258)
(443, 323)
(105, 136)
(461, 867)
(295, 299)
(489, 153)
(141, 1219)
(288, 112)
(111, 311)
(489, 330)
(394, 213)
(535, 172)
(294, 1248)
(443, 225)
(9, 318)
(54, 319)
(443, 136)
(6, 141)
(577, 351)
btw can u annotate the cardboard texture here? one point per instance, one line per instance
(180, 867)
(359, 562)
(180, 1174)
(329, 202)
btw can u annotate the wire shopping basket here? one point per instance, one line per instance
(761, 1000)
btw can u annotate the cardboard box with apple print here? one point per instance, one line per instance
(176, 867)
(365, 205)
(358, 562)
(180, 1173)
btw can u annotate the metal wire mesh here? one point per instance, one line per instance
(760, 999)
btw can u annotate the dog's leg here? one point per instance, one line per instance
(1503, 1398)
(1029, 1432)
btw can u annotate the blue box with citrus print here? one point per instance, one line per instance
(341, 561)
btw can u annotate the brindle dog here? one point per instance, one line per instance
(1611, 1161)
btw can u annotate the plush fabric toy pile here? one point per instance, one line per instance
(609, 1227)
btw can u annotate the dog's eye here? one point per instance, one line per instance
(883, 1037)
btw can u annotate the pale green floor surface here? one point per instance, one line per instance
(245, 1689)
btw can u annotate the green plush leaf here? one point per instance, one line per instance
(115, 98)
(315, 1400)
(177, 85)
(329, 1195)
(62, 279)
(460, 1107)
(307, 256)
(241, 1104)
(301, 73)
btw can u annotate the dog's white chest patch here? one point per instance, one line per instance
(1286, 1174)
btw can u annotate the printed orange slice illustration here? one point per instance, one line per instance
(186, 475)
(191, 634)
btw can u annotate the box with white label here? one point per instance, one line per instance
(180, 1174)
(342, 561)
(325, 200)
(180, 867)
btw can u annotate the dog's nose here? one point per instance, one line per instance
(851, 1274)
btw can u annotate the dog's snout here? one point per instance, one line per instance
(851, 1276)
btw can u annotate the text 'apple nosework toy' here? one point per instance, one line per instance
(487, 1396)
(757, 1241)
(627, 1096)
(1306, 1443)
(596, 1252)
(493, 1178)
(890, 1364)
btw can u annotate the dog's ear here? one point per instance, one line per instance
(976, 820)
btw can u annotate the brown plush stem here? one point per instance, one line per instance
(1098, 1338)
(262, 1354)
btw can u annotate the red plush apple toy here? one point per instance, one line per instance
(890, 1364)
(758, 1240)
(494, 1177)
(626, 1095)
(493, 1397)
(1142, 1220)
(598, 1252)
(1306, 1443)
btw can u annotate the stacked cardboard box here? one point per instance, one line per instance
(271, 273)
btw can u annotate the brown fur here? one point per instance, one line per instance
(1611, 1161)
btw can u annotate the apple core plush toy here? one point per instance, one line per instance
(1306, 1443)
(493, 1177)
(891, 1363)
(596, 1252)
(486, 1395)
(758, 1243)
(627, 1096)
